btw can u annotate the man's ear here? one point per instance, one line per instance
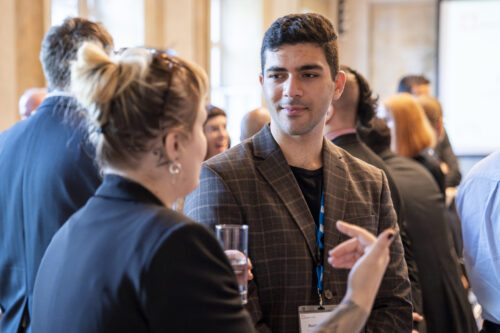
(339, 85)
(261, 79)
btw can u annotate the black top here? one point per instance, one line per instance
(126, 263)
(311, 185)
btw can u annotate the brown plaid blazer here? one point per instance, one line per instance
(252, 184)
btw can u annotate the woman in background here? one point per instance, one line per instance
(413, 135)
(215, 130)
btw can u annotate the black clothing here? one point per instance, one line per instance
(125, 263)
(431, 163)
(446, 307)
(445, 154)
(311, 185)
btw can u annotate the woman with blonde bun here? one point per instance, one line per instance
(126, 262)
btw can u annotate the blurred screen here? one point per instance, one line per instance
(469, 74)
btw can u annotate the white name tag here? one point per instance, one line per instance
(312, 315)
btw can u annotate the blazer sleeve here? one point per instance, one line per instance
(190, 286)
(213, 203)
(392, 310)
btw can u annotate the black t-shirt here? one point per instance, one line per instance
(311, 184)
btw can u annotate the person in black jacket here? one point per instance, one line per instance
(445, 303)
(353, 110)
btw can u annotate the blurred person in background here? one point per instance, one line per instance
(253, 121)
(30, 100)
(445, 303)
(412, 135)
(215, 129)
(354, 110)
(478, 204)
(419, 85)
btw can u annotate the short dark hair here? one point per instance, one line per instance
(377, 136)
(303, 28)
(61, 43)
(407, 82)
(367, 102)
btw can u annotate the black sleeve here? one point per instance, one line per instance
(190, 286)
(446, 154)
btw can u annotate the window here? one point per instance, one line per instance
(124, 19)
(235, 39)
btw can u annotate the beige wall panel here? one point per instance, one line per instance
(8, 83)
(154, 29)
(179, 27)
(30, 30)
(402, 41)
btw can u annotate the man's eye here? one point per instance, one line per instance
(310, 75)
(275, 76)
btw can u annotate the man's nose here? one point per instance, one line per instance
(292, 87)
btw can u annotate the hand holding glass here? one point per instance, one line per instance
(234, 240)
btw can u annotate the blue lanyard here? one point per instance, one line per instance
(320, 246)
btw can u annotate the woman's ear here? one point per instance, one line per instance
(173, 145)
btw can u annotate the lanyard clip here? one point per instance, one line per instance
(320, 300)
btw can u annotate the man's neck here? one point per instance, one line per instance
(302, 151)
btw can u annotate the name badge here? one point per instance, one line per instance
(312, 315)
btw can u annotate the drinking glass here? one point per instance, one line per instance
(234, 240)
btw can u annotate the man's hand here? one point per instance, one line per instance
(237, 255)
(417, 318)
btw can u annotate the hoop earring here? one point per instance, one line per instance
(174, 168)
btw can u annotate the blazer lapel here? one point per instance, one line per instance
(275, 170)
(335, 190)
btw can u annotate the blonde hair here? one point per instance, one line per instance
(413, 132)
(134, 99)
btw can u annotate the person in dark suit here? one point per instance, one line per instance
(47, 170)
(445, 303)
(275, 182)
(125, 262)
(355, 109)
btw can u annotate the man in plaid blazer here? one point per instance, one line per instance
(274, 183)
